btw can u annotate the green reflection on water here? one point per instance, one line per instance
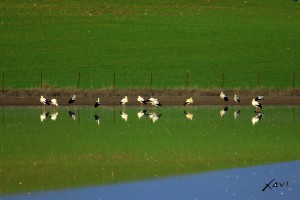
(67, 152)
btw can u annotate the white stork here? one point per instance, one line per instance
(256, 104)
(72, 99)
(124, 100)
(188, 101)
(154, 102)
(44, 101)
(259, 98)
(141, 100)
(53, 102)
(223, 96)
(236, 98)
(97, 103)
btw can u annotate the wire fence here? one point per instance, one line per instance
(167, 79)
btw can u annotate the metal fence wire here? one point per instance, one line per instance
(162, 79)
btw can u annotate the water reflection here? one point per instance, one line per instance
(153, 116)
(44, 116)
(236, 114)
(53, 116)
(188, 115)
(141, 113)
(72, 115)
(257, 117)
(124, 116)
(97, 119)
(223, 111)
(114, 156)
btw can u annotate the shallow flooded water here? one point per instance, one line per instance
(275, 181)
(71, 147)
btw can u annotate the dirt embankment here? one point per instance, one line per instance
(165, 96)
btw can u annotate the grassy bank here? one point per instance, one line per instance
(170, 92)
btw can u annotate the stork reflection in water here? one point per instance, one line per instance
(53, 116)
(97, 119)
(44, 116)
(257, 117)
(188, 115)
(124, 116)
(223, 111)
(141, 113)
(72, 115)
(236, 114)
(154, 116)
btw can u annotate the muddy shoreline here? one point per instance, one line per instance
(167, 97)
(165, 101)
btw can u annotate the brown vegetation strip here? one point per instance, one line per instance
(166, 96)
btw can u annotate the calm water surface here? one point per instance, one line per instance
(79, 147)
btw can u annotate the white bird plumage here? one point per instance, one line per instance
(53, 116)
(236, 114)
(154, 117)
(72, 99)
(53, 102)
(256, 104)
(141, 113)
(259, 98)
(44, 100)
(223, 96)
(188, 115)
(124, 116)
(141, 100)
(237, 98)
(97, 103)
(124, 100)
(154, 102)
(223, 111)
(257, 118)
(44, 116)
(188, 101)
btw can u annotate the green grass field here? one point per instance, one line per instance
(182, 43)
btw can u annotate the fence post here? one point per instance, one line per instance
(294, 79)
(222, 82)
(41, 79)
(151, 80)
(114, 81)
(2, 82)
(78, 80)
(187, 79)
(258, 80)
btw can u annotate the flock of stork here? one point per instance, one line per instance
(256, 102)
(154, 102)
